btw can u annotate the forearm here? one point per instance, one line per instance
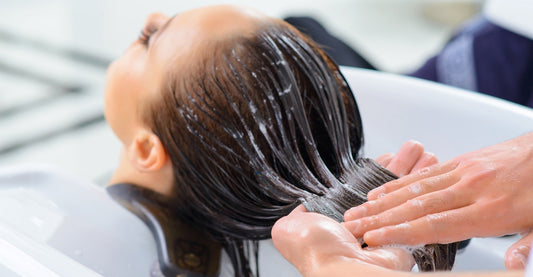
(344, 267)
(350, 268)
(516, 273)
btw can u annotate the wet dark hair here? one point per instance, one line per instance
(262, 124)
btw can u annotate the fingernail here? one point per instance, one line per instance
(375, 193)
(355, 213)
(415, 141)
(409, 145)
(519, 257)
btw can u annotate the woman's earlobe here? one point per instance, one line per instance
(147, 153)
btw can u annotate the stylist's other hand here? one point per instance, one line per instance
(313, 242)
(410, 158)
(483, 193)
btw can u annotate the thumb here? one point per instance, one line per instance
(516, 255)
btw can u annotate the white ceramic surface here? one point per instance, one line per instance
(53, 224)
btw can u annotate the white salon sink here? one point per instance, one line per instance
(52, 224)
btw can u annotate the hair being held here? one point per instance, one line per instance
(263, 123)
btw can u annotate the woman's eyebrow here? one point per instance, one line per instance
(162, 29)
(168, 23)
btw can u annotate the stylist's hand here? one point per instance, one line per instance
(313, 243)
(488, 192)
(410, 158)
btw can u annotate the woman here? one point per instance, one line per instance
(237, 118)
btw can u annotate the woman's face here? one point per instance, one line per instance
(166, 44)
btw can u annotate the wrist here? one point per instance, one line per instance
(343, 266)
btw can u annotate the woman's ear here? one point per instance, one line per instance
(146, 152)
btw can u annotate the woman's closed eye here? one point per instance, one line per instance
(147, 31)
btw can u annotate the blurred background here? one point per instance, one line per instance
(54, 55)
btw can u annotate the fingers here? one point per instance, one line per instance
(384, 159)
(427, 159)
(427, 204)
(411, 157)
(516, 256)
(300, 209)
(311, 241)
(444, 227)
(401, 196)
(406, 158)
(286, 224)
(423, 173)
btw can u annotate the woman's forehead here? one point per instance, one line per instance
(222, 19)
(192, 28)
(186, 37)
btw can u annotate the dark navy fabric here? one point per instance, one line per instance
(481, 57)
(486, 58)
(339, 51)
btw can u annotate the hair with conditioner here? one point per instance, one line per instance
(262, 124)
